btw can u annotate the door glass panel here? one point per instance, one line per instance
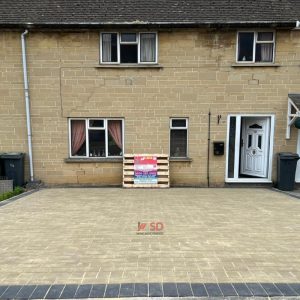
(255, 126)
(259, 141)
(249, 140)
(231, 146)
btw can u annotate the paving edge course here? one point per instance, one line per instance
(145, 290)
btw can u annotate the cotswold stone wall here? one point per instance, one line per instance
(197, 75)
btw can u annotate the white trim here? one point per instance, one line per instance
(227, 147)
(271, 145)
(106, 138)
(254, 45)
(87, 145)
(105, 129)
(237, 149)
(297, 175)
(249, 180)
(179, 128)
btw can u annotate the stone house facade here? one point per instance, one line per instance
(97, 92)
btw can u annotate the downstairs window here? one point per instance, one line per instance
(179, 137)
(96, 137)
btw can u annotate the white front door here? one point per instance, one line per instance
(255, 146)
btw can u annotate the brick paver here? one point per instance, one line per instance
(86, 236)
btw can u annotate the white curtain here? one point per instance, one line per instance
(148, 47)
(267, 52)
(266, 48)
(106, 47)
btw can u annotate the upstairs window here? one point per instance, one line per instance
(129, 48)
(256, 47)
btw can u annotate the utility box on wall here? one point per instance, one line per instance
(218, 148)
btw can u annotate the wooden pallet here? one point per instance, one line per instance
(162, 171)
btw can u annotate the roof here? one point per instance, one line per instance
(164, 13)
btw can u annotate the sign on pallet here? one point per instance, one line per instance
(145, 170)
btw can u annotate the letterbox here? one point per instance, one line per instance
(218, 148)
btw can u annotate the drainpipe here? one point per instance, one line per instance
(27, 102)
(208, 148)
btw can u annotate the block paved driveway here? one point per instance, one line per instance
(89, 236)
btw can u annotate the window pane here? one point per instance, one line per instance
(179, 123)
(259, 141)
(97, 143)
(249, 140)
(96, 123)
(128, 54)
(178, 144)
(231, 147)
(148, 47)
(245, 47)
(78, 138)
(264, 52)
(115, 142)
(128, 37)
(109, 47)
(265, 36)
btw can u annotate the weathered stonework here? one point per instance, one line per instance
(197, 75)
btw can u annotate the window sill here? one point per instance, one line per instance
(241, 65)
(95, 160)
(180, 159)
(129, 66)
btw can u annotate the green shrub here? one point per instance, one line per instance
(18, 190)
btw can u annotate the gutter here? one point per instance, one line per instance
(27, 102)
(146, 24)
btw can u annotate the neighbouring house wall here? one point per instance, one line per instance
(196, 76)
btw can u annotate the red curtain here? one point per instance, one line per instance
(115, 130)
(77, 135)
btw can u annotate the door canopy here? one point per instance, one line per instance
(293, 112)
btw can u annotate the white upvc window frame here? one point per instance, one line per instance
(87, 128)
(138, 39)
(236, 178)
(255, 41)
(179, 128)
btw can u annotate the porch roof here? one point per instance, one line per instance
(293, 112)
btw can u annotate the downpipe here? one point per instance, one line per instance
(27, 102)
(208, 149)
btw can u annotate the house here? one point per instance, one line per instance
(207, 82)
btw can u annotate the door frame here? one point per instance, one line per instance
(298, 163)
(237, 150)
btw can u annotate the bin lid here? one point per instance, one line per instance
(12, 155)
(288, 155)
